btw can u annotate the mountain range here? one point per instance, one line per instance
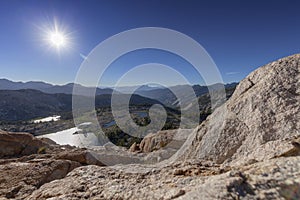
(157, 92)
(28, 104)
(6, 84)
(168, 98)
(28, 100)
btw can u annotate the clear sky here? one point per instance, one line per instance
(239, 35)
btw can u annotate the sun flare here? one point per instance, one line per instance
(56, 35)
(57, 39)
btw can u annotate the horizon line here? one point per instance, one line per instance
(106, 86)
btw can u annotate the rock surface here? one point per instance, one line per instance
(134, 147)
(274, 179)
(19, 144)
(263, 112)
(164, 139)
(26, 163)
(81, 156)
(18, 179)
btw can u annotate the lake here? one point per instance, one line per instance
(74, 137)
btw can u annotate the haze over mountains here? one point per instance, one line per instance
(24, 101)
(27, 104)
(167, 97)
(143, 90)
(6, 84)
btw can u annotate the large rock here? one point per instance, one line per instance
(255, 122)
(273, 179)
(20, 179)
(84, 157)
(164, 139)
(16, 145)
(26, 163)
(19, 144)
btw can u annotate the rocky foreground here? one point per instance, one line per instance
(248, 148)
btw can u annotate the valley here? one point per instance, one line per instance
(38, 104)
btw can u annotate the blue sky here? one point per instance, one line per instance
(240, 36)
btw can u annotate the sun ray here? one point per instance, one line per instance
(56, 36)
(57, 39)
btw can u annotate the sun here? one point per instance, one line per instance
(57, 39)
(56, 35)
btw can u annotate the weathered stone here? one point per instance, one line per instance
(164, 139)
(84, 157)
(47, 140)
(263, 112)
(272, 179)
(18, 144)
(134, 147)
(20, 179)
